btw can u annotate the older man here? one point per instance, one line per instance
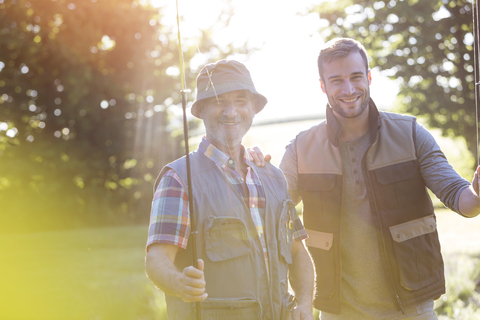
(247, 230)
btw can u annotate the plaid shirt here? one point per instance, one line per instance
(170, 219)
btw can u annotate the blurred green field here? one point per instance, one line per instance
(98, 274)
(460, 240)
(95, 274)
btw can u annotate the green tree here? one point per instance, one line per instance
(426, 45)
(88, 97)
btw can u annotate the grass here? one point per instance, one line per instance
(98, 274)
(460, 240)
(95, 274)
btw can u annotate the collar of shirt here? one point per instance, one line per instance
(222, 160)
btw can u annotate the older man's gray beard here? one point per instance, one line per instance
(221, 136)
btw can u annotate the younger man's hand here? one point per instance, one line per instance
(258, 157)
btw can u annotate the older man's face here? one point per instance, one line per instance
(229, 118)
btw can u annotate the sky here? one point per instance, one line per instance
(285, 68)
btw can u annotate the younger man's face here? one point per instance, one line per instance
(347, 85)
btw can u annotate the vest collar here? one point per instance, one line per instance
(334, 128)
(221, 159)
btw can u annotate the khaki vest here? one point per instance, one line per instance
(235, 272)
(408, 238)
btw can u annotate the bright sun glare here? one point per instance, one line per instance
(285, 69)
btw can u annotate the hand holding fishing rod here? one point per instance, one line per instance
(192, 283)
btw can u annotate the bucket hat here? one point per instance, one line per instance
(221, 77)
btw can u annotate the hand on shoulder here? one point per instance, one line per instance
(258, 158)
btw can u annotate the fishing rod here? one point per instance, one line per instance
(476, 67)
(192, 239)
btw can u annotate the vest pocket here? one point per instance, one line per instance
(231, 309)
(225, 238)
(320, 246)
(417, 251)
(400, 186)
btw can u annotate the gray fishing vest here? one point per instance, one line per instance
(236, 276)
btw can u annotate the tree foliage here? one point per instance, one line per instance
(427, 46)
(88, 95)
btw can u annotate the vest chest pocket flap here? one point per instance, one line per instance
(396, 173)
(226, 238)
(414, 242)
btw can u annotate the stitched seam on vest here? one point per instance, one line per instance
(391, 163)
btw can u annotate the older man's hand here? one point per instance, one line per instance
(192, 283)
(302, 313)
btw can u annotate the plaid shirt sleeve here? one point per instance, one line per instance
(169, 219)
(299, 232)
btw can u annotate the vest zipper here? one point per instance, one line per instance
(370, 191)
